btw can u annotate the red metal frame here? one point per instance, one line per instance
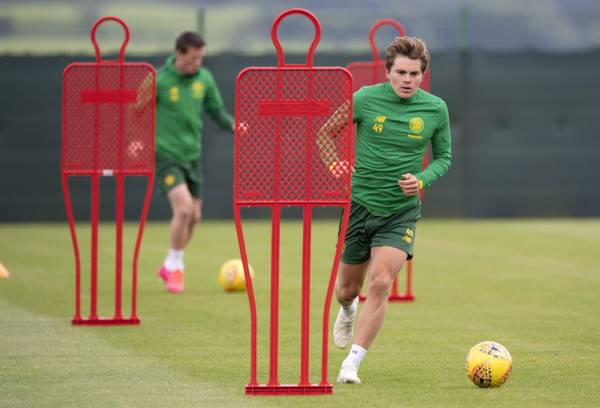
(370, 73)
(89, 150)
(277, 164)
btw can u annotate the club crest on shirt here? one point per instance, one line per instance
(197, 89)
(174, 94)
(416, 124)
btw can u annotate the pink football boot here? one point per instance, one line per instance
(173, 280)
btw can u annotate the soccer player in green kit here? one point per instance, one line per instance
(183, 89)
(396, 120)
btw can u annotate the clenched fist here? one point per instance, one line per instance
(409, 184)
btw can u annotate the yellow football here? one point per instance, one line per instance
(489, 364)
(231, 275)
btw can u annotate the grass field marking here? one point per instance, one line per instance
(46, 362)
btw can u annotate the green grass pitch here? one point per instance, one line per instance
(532, 285)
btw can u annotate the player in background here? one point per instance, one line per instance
(396, 121)
(183, 90)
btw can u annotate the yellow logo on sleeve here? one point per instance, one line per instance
(416, 124)
(174, 94)
(169, 180)
(197, 89)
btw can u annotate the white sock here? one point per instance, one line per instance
(350, 308)
(174, 259)
(357, 353)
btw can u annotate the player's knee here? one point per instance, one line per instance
(380, 286)
(197, 217)
(194, 220)
(185, 213)
(348, 291)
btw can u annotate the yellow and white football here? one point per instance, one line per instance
(489, 364)
(231, 276)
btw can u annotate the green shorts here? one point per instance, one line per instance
(366, 231)
(170, 174)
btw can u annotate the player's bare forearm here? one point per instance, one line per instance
(144, 94)
(326, 137)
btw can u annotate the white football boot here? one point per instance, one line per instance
(348, 374)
